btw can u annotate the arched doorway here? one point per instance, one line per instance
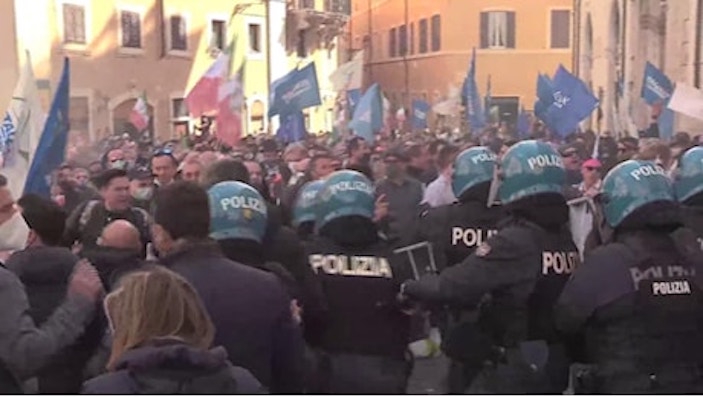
(256, 117)
(122, 125)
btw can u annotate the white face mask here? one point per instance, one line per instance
(14, 233)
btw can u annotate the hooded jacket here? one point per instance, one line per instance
(174, 368)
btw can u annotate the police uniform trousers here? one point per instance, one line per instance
(343, 373)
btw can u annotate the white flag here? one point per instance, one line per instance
(687, 100)
(21, 129)
(348, 76)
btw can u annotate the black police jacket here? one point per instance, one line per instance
(523, 269)
(693, 219)
(639, 301)
(456, 230)
(360, 284)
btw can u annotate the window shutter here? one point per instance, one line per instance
(484, 30)
(511, 29)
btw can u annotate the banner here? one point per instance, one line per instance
(292, 128)
(139, 117)
(348, 76)
(21, 130)
(687, 100)
(581, 221)
(202, 98)
(368, 116)
(420, 112)
(298, 91)
(52, 144)
(656, 87)
(572, 102)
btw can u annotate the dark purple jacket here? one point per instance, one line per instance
(174, 368)
(251, 313)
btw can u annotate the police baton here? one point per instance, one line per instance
(410, 250)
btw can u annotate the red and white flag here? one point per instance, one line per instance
(230, 98)
(139, 117)
(202, 98)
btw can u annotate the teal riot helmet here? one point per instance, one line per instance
(527, 169)
(472, 167)
(632, 185)
(344, 193)
(237, 211)
(689, 175)
(304, 207)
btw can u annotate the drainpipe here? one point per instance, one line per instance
(576, 52)
(697, 62)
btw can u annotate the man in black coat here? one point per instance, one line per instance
(249, 307)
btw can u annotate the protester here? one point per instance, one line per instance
(419, 163)
(590, 172)
(165, 347)
(249, 308)
(190, 170)
(439, 192)
(118, 251)
(87, 222)
(164, 166)
(359, 156)
(141, 187)
(45, 268)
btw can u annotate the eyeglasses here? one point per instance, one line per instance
(167, 151)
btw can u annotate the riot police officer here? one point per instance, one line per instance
(522, 269)
(365, 332)
(638, 298)
(455, 231)
(688, 187)
(304, 210)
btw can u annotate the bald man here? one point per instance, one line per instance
(119, 251)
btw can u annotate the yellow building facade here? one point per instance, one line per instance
(421, 49)
(120, 49)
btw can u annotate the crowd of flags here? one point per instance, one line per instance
(32, 144)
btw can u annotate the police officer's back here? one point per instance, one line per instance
(688, 187)
(522, 269)
(638, 298)
(365, 332)
(456, 230)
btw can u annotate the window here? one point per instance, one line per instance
(306, 4)
(560, 28)
(436, 33)
(131, 28)
(218, 34)
(254, 38)
(179, 110)
(179, 33)
(338, 6)
(498, 29)
(423, 36)
(79, 116)
(74, 23)
(412, 38)
(392, 43)
(403, 40)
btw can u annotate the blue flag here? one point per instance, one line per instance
(272, 92)
(523, 124)
(572, 103)
(353, 97)
(656, 87)
(545, 96)
(292, 128)
(420, 111)
(296, 92)
(474, 111)
(368, 115)
(665, 122)
(487, 100)
(51, 148)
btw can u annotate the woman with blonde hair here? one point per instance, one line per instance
(162, 338)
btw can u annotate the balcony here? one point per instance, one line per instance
(309, 29)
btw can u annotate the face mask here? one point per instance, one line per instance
(143, 193)
(14, 233)
(118, 164)
(393, 170)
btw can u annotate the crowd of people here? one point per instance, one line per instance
(328, 265)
